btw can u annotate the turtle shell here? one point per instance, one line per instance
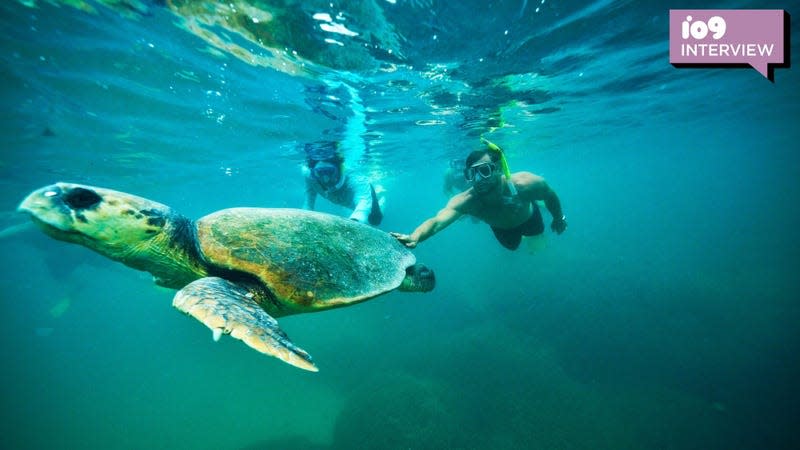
(308, 260)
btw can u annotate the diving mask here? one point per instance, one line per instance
(326, 173)
(480, 171)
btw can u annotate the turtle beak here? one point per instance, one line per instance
(47, 208)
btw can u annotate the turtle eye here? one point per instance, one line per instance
(80, 198)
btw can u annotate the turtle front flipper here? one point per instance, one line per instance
(229, 308)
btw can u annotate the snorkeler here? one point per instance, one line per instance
(325, 175)
(505, 201)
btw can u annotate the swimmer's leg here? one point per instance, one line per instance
(375, 214)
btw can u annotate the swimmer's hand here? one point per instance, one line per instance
(405, 239)
(559, 224)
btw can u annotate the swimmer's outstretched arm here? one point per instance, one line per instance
(435, 224)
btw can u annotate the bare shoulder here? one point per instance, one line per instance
(526, 179)
(530, 185)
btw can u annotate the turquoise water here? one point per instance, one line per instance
(665, 317)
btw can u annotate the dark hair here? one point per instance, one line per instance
(478, 154)
(323, 151)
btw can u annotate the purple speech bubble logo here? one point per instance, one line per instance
(727, 37)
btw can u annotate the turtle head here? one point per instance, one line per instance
(419, 278)
(120, 226)
(140, 233)
(110, 222)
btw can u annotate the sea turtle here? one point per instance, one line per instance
(236, 268)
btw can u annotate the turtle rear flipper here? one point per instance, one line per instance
(229, 308)
(419, 278)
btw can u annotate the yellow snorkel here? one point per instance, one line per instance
(503, 163)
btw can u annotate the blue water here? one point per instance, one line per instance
(665, 317)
